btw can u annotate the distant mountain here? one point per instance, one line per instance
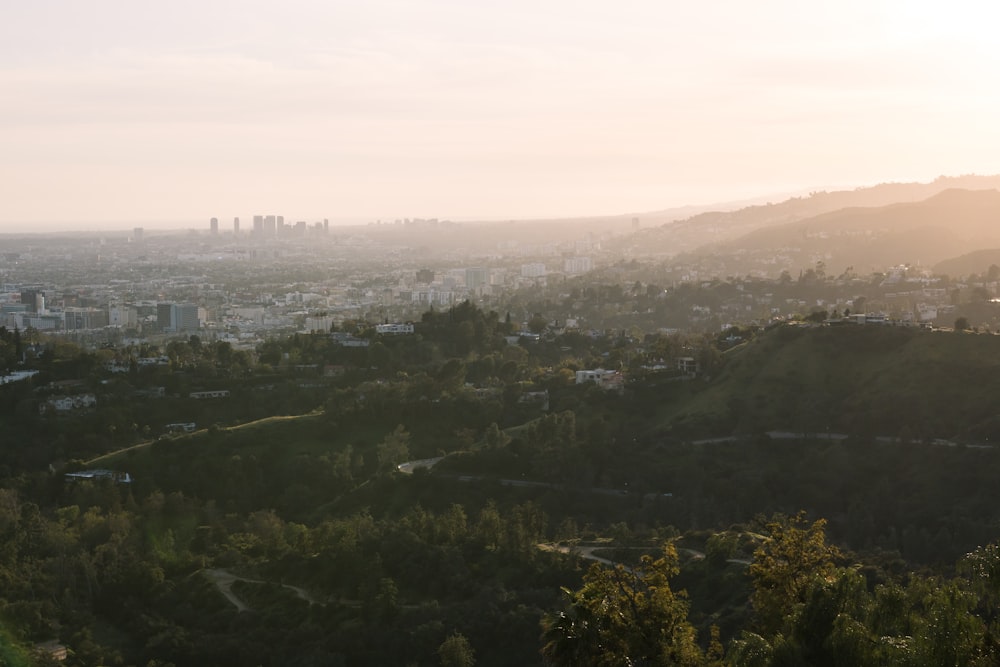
(689, 234)
(978, 261)
(950, 223)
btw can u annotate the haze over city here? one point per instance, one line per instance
(165, 115)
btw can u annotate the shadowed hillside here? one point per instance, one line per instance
(865, 380)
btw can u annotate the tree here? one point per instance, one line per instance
(495, 438)
(817, 316)
(394, 448)
(537, 324)
(455, 651)
(962, 324)
(623, 616)
(784, 566)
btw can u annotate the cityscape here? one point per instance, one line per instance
(444, 334)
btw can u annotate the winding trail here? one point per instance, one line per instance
(224, 580)
(587, 552)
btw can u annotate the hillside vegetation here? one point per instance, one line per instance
(858, 380)
(293, 537)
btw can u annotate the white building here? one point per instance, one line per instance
(534, 270)
(394, 328)
(606, 379)
(68, 403)
(577, 265)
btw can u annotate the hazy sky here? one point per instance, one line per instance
(122, 112)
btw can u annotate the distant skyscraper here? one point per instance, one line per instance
(184, 317)
(163, 311)
(326, 225)
(476, 279)
(213, 226)
(577, 265)
(534, 270)
(635, 224)
(236, 225)
(258, 225)
(30, 298)
(177, 317)
(269, 226)
(137, 235)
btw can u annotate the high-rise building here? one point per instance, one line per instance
(137, 235)
(258, 225)
(236, 226)
(33, 299)
(163, 320)
(576, 265)
(84, 318)
(122, 316)
(533, 270)
(213, 226)
(269, 226)
(184, 317)
(476, 279)
(177, 318)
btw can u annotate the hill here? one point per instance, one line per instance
(978, 261)
(857, 380)
(950, 223)
(714, 227)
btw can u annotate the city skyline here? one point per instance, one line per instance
(165, 116)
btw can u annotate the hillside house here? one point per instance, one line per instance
(218, 393)
(92, 475)
(688, 366)
(181, 427)
(394, 329)
(63, 404)
(606, 379)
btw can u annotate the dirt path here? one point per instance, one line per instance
(587, 552)
(224, 580)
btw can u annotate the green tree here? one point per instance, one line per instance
(537, 324)
(455, 651)
(623, 616)
(784, 566)
(495, 438)
(394, 448)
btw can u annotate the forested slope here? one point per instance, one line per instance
(858, 380)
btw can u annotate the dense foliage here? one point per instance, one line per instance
(281, 531)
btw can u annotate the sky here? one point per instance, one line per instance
(117, 113)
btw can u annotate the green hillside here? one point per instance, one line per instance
(858, 380)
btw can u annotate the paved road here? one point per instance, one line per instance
(835, 437)
(410, 466)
